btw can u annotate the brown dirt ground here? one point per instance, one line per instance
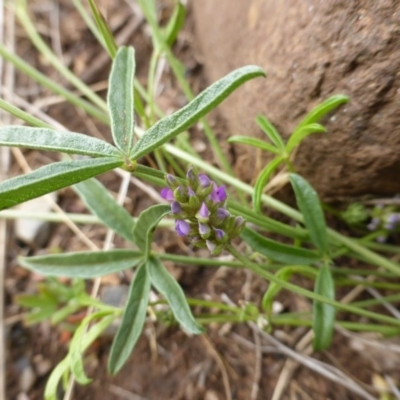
(166, 364)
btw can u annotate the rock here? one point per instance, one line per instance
(27, 378)
(310, 51)
(34, 232)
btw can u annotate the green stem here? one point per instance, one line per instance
(29, 119)
(46, 82)
(304, 292)
(38, 42)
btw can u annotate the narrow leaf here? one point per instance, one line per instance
(270, 131)
(255, 143)
(309, 205)
(58, 372)
(100, 202)
(76, 348)
(169, 127)
(83, 264)
(324, 314)
(145, 225)
(322, 109)
(277, 251)
(51, 140)
(105, 31)
(170, 289)
(284, 274)
(175, 24)
(120, 99)
(132, 320)
(300, 134)
(263, 179)
(50, 178)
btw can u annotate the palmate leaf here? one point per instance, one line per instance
(52, 140)
(103, 205)
(120, 99)
(300, 134)
(132, 320)
(170, 126)
(271, 132)
(52, 177)
(83, 264)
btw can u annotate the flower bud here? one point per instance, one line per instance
(194, 202)
(182, 227)
(205, 187)
(203, 214)
(172, 182)
(219, 217)
(204, 231)
(181, 194)
(192, 178)
(240, 222)
(176, 208)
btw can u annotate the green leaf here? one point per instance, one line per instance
(322, 109)
(35, 301)
(83, 264)
(105, 31)
(76, 348)
(100, 202)
(271, 132)
(309, 205)
(284, 274)
(145, 225)
(169, 288)
(41, 314)
(175, 24)
(51, 140)
(324, 314)
(58, 372)
(169, 127)
(255, 143)
(300, 134)
(120, 99)
(277, 251)
(50, 178)
(263, 179)
(64, 312)
(132, 320)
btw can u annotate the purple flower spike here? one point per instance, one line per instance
(204, 180)
(182, 227)
(176, 207)
(167, 194)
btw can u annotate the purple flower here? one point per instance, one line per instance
(392, 221)
(218, 194)
(182, 227)
(191, 192)
(204, 180)
(219, 234)
(176, 207)
(204, 213)
(167, 194)
(374, 224)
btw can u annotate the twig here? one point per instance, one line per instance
(257, 367)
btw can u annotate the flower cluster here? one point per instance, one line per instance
(385, 220)
(199, 208)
